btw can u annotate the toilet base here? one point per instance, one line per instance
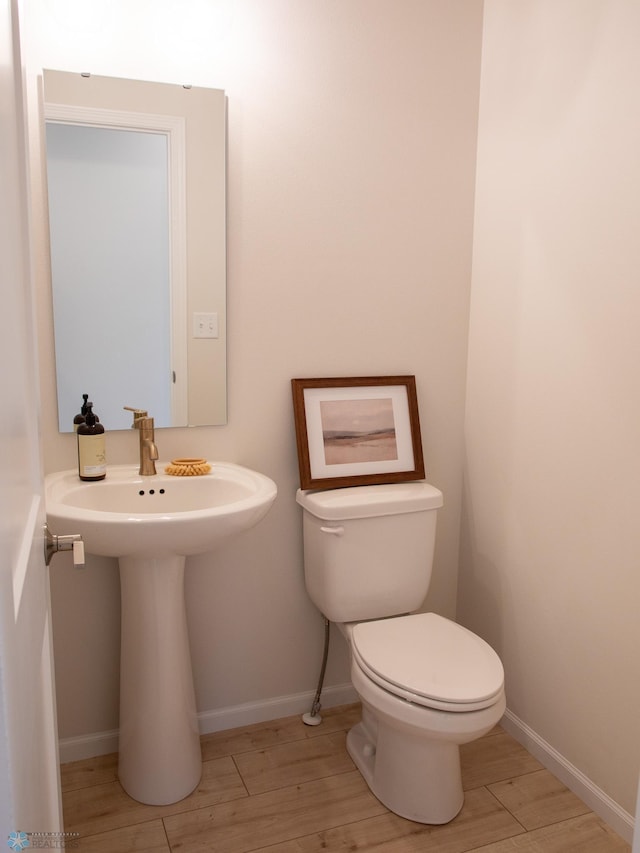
(409, 755)
(415, 778)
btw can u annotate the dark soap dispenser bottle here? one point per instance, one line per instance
(92, 461)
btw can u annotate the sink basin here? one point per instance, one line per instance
(151, 524)
(127, 514)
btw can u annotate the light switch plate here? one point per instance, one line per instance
(205, 325)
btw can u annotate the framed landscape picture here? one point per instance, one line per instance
(357, 431)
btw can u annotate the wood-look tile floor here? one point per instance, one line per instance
(283, 787)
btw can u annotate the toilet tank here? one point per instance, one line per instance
(368, 550)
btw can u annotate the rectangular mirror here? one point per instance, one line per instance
(136, 175)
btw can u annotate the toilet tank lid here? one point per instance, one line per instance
(370, 501)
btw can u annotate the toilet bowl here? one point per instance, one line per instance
(421, 700)
(427, 685)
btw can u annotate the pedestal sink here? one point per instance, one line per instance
(151, 524)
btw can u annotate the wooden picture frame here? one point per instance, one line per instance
(357, 431)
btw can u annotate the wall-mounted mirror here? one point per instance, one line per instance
(136, 176)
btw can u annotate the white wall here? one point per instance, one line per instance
(551, 541)
(352, 137)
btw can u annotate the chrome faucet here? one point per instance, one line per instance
(148, 450)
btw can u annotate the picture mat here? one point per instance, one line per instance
(313, 397)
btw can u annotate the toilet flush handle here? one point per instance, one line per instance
(333, 531)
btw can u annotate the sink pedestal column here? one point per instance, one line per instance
(160, 760)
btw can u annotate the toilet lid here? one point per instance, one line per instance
(429, 660)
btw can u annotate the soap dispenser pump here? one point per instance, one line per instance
(92, 461)
(82, 414)
(80, 417)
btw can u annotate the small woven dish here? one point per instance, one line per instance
(188, 467)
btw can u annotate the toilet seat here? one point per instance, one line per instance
(430, 661)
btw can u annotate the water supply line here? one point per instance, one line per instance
(313, 718)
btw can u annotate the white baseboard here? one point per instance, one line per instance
(87, 746)
(273, 709)
(599, 802)
(102, 743)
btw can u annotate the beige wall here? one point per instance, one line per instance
(352, 138)
(551, 541)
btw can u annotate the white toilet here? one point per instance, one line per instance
(426, 684)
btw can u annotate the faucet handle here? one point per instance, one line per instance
(138, 414)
